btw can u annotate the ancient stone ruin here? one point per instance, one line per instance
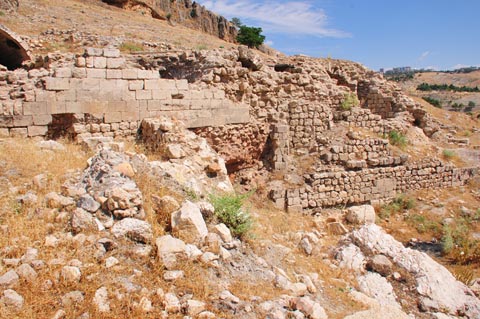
(14, 51)
(251, 110)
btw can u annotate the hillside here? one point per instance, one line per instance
(447, 98)
(149, 170)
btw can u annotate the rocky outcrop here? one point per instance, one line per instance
(184, 12)
(436, 288)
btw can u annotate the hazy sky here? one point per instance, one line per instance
(440, 34)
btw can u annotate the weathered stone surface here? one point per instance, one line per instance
(438, 290)
(381, 265)
(100, 300)
(71, 274)
(82, 220)
(378, 288)
(134, 229)
(363, 214)
(9, 279)
(169, 249)
(188, 223)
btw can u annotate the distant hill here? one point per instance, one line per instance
(448, 99)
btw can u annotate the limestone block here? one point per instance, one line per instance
(148, 74)
(73, 107)
(18, 132)
(94, 52)
(131, 106)
(93, 107)
(4, 132)
(160, 84)
(79, 73)
(112, 117)
(42, 119)
(64, 96)
(135, 85)
(89, 62)
(63, 73)
(37, 130)
(30, 108)
(115, 63)
(182, 84)
(57, 84)
(143, 94)
(22, 120)
(161, 95)
(80, 62)
(130, 74)
(111, 53)
(361, 214)
(96, 73)
(56, 107)
(188, 223)
(114, 74)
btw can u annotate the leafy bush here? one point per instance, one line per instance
(349, 100)
(228, 210)
(447, 240)
(458, 244)
(445, 87)
(433, 101)
(398, 139)
(236, 22)
(250, 36)
(471, 104)
(448, 154)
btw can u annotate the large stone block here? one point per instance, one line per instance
(143, 95)
(63, 73)
(135, 85)
(88, 84)
(182, 84)
(64, 96)
(56, 107)
(130, 74)
(22, 120)
(18, 132)
(94, 52)
(37, 130)
(114, 74)
(148, 74)
(30, 108)
(57, 84)
(115, 63)
(161, 95)
(94, 107)
(43, 96)
(74, 107)
(96, 73)
(130, 116)
(113, 117)
(79, 73)
(42, 119)
(111, 52)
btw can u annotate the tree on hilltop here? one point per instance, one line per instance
(250, 36)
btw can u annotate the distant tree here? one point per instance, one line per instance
(471, 104)
(236, 22)
(250, 36)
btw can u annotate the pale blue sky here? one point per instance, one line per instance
(440, 34)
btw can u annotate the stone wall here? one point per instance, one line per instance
(102, 86)
(334, 186)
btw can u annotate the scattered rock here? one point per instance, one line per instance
(73, 298)
(88, 203)
(188, 223)
(82, 221)
(169, 249)
(100, 300)
(12, 299)
(364, 214)
(381, 265)
(71, 274)
(173, 275)
(9, 279)
(26, 272)
(134, 229)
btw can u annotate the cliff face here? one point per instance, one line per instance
(184, 12)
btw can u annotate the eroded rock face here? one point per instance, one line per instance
(437, 288)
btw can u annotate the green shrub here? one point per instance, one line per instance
(448, 154)
(399, 204)
(433, 101)
(250, 36)
(349, 100)
(447, 240)
(471, 104)
(169, 16)
(228, 210)
(398, 139)
(130, 47)
(236, 22)
(2, 13)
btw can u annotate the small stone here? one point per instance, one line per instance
(134, 229)
(165, 205)
(194, 307)
(55, 200)
(9, 279)
(101, 300)
(171, 303)
(188, 223)
(206, 315)
(60, 314)
(145, 305)
(126, 169)
(169, 249)
(88, 203)
(71, 274)
(173, 275)
(30, 255)
(51, 241)
(306, 246)
(72, 298)
(81, 220)
(380, 264)
(223, 231)
(26, 272)
(111, 261)
(174, 151)
(12, 299)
